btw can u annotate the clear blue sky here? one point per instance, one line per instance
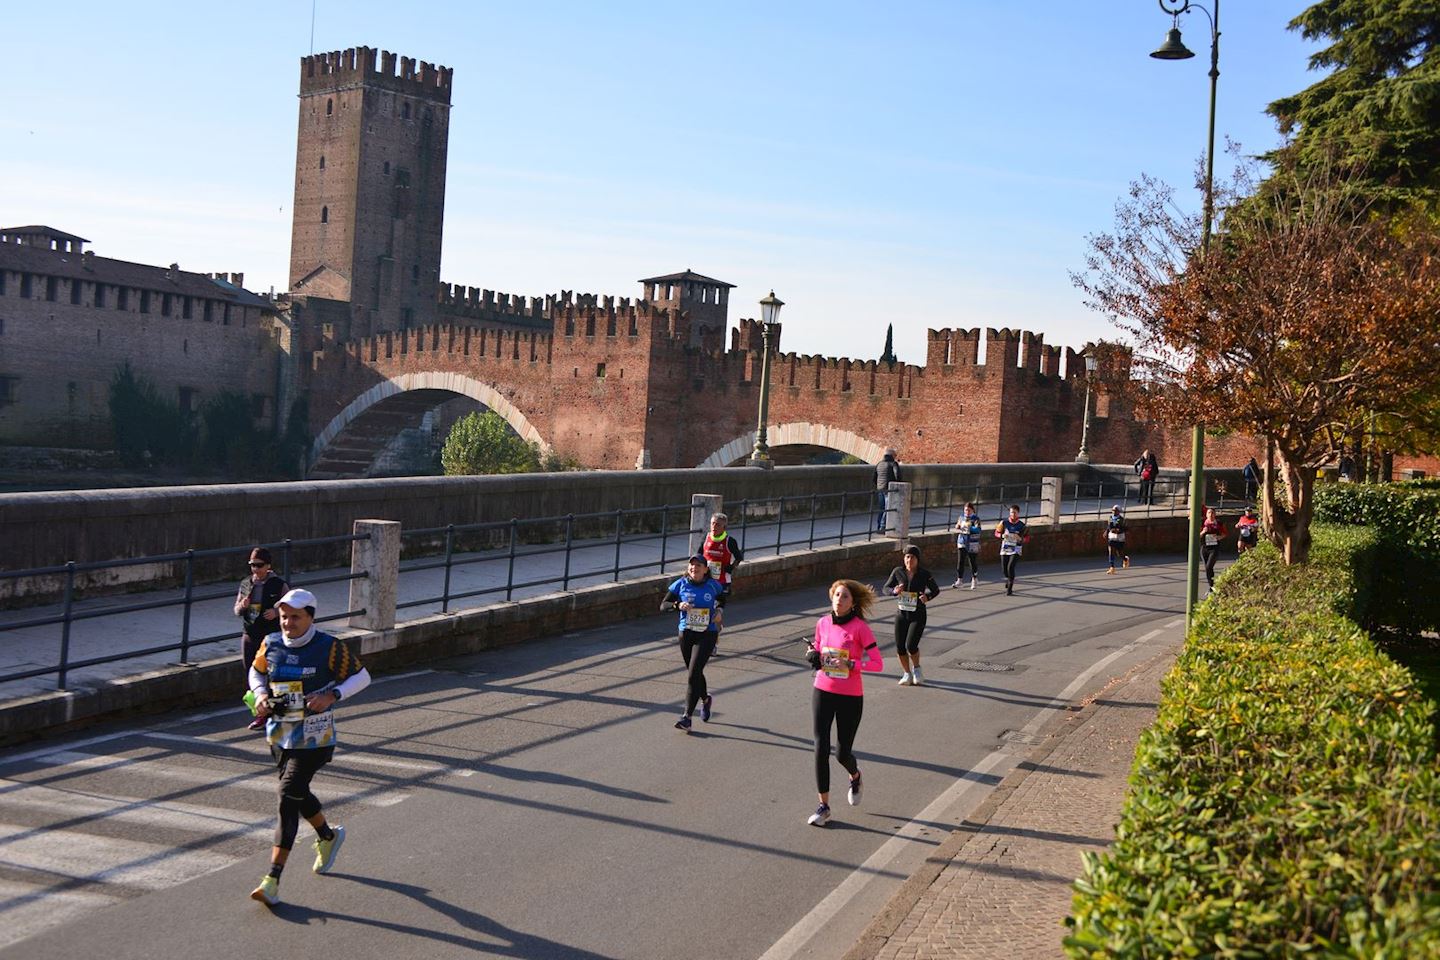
(924, 164)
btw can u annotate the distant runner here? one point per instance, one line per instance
(967, 546)
(722, 555)
(298, 676)
(1212, 531)
(1012, 536)
(843, 647)
(1115, 540)
(915, 588)
(1247, 531)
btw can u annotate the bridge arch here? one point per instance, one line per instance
(456, 383)
(808, 434)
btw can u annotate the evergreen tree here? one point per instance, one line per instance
(1378, 109)
(483, 443)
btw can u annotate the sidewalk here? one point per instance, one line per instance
(1000, 886)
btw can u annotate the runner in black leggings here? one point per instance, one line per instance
(1012, 536)
(915, 587)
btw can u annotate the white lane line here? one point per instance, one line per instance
(244, 780)
(824, 912)
(358, 758)
(169, 725)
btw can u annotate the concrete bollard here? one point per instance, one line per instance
(1050, 494)
(897, 510)
(379, 558)
(702, 506)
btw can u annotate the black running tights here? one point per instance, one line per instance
(696, 646)
(296, 768)
(966, 556)
(1007, 564)
(843, 711)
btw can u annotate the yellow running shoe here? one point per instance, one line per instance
(327, 850)
(268, 892)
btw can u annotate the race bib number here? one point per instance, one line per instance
(835, 662)
(287, 697)
(1011, 539)
(1247, 533)
(697, 618)
(1211, 540)
(714, 566)
(319, 729)
(1117, 537)
(909, 601)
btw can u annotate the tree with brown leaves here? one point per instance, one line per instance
(1308, 313)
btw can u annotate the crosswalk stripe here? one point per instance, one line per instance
(243, 780)
(28, 910)
(357, 758)
(110, 860)
(71, 804)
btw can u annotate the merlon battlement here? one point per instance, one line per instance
(322, 72)
(1003, 348)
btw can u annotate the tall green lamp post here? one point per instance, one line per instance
(1174, 49)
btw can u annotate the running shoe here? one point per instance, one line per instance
(257, 724)
(957, 583)
(1009, 589)
(906, 679)
(915, 676)
(821, 816)
(327, 850)
(683, 724)
(1126, 563)
(1109, 571)
(973, 582)
(853, 794)
(268, 892)
(705, 707)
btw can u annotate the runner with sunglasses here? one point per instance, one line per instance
(255, 606)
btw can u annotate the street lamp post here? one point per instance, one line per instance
(1174, 49)
(769, 329)
(1084, 455)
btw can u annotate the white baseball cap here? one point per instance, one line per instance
(298, 598)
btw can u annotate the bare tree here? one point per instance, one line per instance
(1307, 313)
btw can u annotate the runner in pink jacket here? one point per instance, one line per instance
(843, 648)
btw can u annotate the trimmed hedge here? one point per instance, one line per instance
(1406, 518)
(1286, 801)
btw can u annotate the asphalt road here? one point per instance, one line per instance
(535, 801)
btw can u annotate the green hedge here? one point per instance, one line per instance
(1406, 517)
(1286, 802)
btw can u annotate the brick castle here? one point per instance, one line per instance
(378, 348)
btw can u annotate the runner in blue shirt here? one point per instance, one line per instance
(967, 546)
(696, 595)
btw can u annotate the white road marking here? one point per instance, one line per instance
(795, 939)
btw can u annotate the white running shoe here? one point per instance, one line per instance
(957, 583)
(906, 680)
(821, 816)
(853, 794)
(915, 676)
(973, 582)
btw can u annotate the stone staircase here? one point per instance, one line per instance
(397, 422)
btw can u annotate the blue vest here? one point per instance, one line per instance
(292, 674)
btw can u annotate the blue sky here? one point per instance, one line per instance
(922, 164)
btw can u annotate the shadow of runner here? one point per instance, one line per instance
(505, 943)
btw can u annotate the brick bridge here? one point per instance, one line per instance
(620, 385)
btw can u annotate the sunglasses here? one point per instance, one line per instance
(257, 564)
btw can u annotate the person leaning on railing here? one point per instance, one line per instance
(255, 605)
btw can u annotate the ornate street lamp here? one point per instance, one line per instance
(1084, 455)
(1174, 49)
(769, 330)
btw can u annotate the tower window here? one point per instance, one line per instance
(329, 106)
(52, 288)
(324, 214)
(122, 298)
(99, 294)
(322, 161)
(144, 301)
(600, 370)
(75, 292)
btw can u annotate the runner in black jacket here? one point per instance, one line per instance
(915, 587)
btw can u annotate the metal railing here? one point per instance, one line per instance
(192, 594)
(503, 558)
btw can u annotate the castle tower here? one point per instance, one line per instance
(705, 300)
(370, 185)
